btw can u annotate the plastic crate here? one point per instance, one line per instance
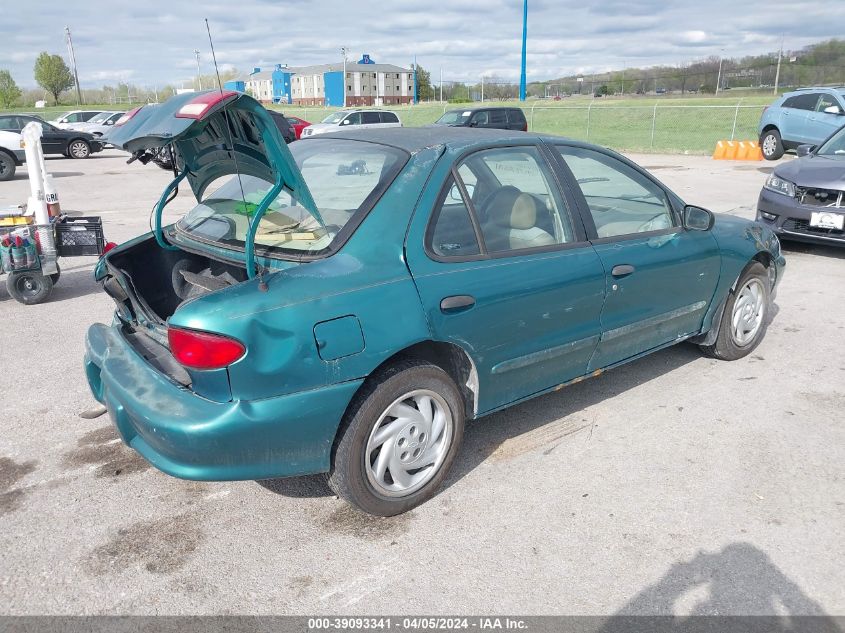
(80, 236)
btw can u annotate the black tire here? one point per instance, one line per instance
(29, 287)
(771, 144)
(726, 347)
(7, 167)
(348, 475)
(56, 275)
(78, 148)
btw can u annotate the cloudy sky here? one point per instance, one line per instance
(151, 42)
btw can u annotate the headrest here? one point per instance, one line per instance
(513, 209)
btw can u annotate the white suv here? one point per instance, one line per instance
(344, 118)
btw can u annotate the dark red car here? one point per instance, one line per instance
(297, 124)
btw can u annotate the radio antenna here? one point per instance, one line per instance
(262, 285)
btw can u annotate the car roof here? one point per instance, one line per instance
(839, 89)
(414, 139)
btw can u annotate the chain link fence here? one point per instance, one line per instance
(693, 129)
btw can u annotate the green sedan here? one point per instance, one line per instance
(345, 305)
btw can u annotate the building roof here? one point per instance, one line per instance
(351, 67)
(264, 74)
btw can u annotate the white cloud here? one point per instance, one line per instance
(153, 42)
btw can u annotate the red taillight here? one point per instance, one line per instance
(199, 107)
(525, 127)
(108, 247)
(203, 350)
(127, 116)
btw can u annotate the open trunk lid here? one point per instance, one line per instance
(216, 134)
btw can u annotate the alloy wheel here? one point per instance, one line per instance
(79, 149)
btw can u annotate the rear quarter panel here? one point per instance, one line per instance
(368, 279)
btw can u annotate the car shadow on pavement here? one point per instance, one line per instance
(542, 423)
(484, 437)
(740, 580)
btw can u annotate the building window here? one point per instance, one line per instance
(374, 75)
(397, 87)
(397, 75)
(348, 88)
(348, 75)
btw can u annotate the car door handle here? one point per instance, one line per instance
(622, 270)
(456, 303)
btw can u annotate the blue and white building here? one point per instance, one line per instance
(268, 86)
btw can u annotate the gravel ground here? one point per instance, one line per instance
(675, 484)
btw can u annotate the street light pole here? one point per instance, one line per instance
(719, 76)
(777, 73)
(524, 40)
(73, 63)
(199, 80)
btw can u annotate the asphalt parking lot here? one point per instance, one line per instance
(676, 484)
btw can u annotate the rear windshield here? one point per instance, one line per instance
(345, 179)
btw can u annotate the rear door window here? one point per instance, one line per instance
(803, 101)
(498, 117)
(452, 234)
(389, 117)
(516, 116)
(371, 117)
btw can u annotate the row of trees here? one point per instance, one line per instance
(817, 64)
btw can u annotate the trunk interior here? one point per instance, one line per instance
(161, 280)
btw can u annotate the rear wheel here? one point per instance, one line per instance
(79, 149)
(29, 287)
(7, 167)
(745, 318)
(398, 439)
(771, 144)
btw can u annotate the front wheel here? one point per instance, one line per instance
(745, 318)
(79, 149)
(771, 145)
(398, 439)
(29, 287)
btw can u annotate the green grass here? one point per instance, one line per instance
(688, 124)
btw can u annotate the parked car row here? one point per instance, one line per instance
(54, 140)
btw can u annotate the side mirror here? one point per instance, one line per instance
(805, 149)
(834, 109)
(698, 219)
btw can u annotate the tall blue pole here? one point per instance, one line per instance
(524, 39)
(416, 94)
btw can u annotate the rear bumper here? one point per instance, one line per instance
(190, 437)
(793, 220)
